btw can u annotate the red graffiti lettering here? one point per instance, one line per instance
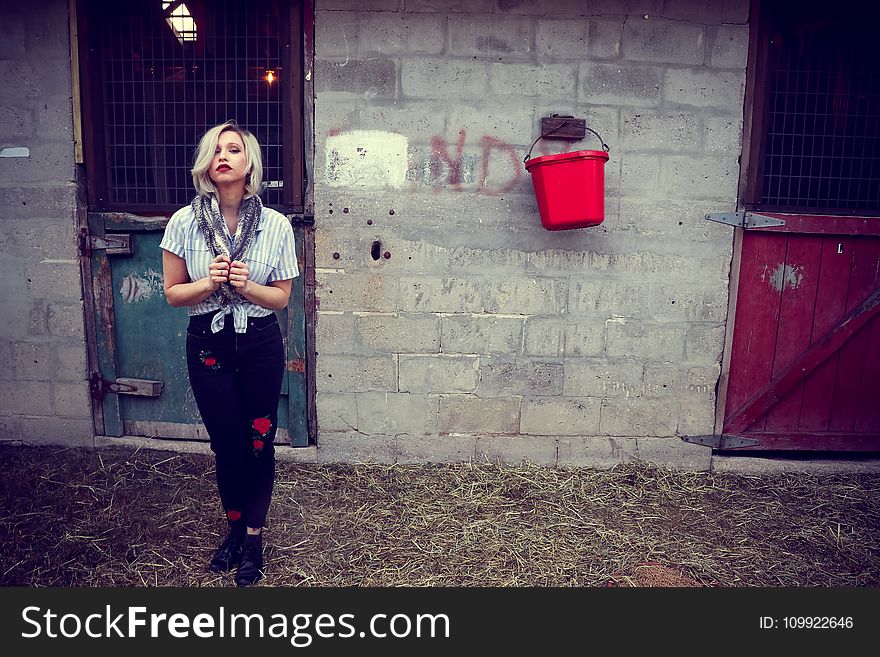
(488, 143)
(440, 153)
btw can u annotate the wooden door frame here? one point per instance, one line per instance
(92, 295)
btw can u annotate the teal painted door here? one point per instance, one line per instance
(140, 338)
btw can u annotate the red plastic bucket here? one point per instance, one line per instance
(569, 188)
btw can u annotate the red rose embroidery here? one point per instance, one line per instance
(210, 361)
(233, 515)
(262, 425)
(258, 444)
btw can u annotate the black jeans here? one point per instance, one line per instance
(236, 380)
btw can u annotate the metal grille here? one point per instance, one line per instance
(171, 70)
(822, 148)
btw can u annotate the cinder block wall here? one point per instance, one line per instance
(43, 391)
(451, 325)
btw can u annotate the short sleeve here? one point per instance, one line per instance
(287, 266)
(173, 239)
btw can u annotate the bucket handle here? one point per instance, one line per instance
(561, 125)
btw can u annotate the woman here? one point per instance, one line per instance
(232, 261)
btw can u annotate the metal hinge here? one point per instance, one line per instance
(722, 441)
(744, 219)
(112, 243)
(100, 386)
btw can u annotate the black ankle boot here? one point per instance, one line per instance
(250, 568)
(229, 553)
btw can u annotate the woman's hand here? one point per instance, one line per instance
(218, 271)
(238, 275)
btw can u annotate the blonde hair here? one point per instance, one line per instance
(205, 153)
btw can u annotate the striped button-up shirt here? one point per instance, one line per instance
(271, 257)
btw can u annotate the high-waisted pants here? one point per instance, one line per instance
(236, 381)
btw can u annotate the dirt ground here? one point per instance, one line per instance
(121, 517)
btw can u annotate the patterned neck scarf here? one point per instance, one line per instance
(210, 222)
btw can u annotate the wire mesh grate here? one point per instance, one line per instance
(171, 70)
(822, 148)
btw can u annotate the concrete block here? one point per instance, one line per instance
(48, 430)
(639, 175)
(558, 261)
(394, 413)
(602, 378)
(19, 80)
(434, 77)
(399, 333)
(343, 5)
(565, 38)
(364, 292)
(606, 36)
(450, 6)
(645, 264)
(65, 320)
(47, 32)
(585, 338)
(624, 84)
(723, 134)
(701, 177)
(27, 361)
(489, 34)
(54, 117)
(557, 8)
(54, 281)
(697, 417)
(705, 342)
(638, 416)
(517, 450)
(560, 416)
(648, 130)
(19, 122)
(417, 121)
(683, 222)
(468, 414)
(681, 380)
(337, 412)
(71, 399)
(25, 398)
(480, 334)
(356, 373)
(439, 373)
(48, 162)
(48, 202)
(334, 333)
(70, 362)
(494, 121)
(341, 447)
(658, 40)
(688, 86)
(371, 77)
(12, 45)
(595, 452)
(456, 295)
(673, 453)
(543, 336)
(436, 449)
(499, 378)
(647, 340)
(416, 34)
(711, 12)
(524, 80)
(336, 34)
(333, 114)
(662, 300)
(730, 47)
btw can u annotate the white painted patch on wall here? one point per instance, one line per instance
(366, 158)
(15, 151)
(135, 289)
(785, 275)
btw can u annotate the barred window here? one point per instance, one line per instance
(157, 74)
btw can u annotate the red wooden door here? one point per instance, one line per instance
(804, 361)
